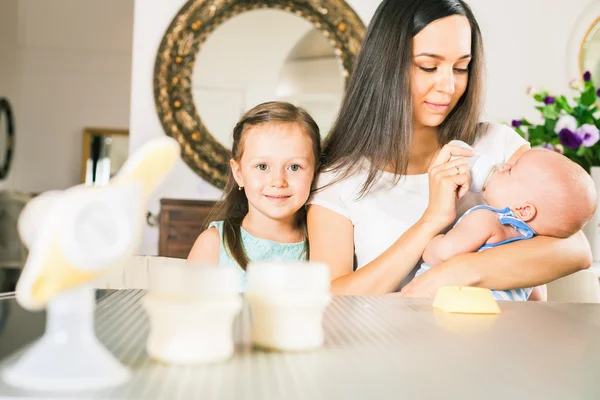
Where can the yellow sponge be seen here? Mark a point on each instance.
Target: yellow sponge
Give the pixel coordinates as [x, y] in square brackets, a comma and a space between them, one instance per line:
[467, 300]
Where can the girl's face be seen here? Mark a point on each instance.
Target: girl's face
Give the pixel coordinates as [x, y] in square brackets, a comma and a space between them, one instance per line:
[439, 76]
[276, 169]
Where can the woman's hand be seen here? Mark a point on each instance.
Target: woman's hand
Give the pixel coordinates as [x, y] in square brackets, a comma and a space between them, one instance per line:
[449, 180]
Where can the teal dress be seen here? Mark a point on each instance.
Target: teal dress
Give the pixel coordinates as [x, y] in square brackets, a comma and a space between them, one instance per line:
[258, 249]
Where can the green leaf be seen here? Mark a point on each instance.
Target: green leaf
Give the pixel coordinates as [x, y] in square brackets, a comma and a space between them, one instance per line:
[564, 104]
[525, 122]
[550, 111]
[588, 97]
[579, 111]
[549, 125]
[589, 85]
[580, 151]
[539, 97]
[538, 131]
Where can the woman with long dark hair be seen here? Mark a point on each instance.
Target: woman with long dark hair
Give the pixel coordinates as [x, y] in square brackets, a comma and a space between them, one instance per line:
[389, 181]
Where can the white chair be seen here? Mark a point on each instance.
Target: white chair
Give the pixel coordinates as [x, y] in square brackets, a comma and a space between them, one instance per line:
[580, 287]
[135, 275]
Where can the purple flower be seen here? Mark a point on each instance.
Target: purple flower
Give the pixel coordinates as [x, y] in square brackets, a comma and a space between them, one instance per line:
[598, 92]
[587, 76]
[589, 135]
[549, 100]
[569, 139]
[516, 123]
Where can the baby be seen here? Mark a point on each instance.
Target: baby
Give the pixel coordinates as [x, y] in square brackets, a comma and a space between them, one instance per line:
[543, 193]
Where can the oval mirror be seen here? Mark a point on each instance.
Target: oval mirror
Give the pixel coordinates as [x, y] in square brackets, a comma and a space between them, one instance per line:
[590, 52]
[219, 59]
[7, 132]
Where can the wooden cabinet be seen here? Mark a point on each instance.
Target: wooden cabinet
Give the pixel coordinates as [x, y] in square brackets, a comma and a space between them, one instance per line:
[180, 223]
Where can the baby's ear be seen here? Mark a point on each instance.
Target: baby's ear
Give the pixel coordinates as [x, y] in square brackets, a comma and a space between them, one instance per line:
[525, 212]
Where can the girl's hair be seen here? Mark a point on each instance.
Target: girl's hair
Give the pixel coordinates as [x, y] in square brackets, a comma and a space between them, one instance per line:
[376, 117]
[234, 206]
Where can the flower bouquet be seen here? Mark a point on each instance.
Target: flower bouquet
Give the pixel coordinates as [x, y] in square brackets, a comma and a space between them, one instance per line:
[571, 127]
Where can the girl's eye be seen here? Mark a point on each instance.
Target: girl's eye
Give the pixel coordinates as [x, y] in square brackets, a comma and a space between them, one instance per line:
[262, 167]
[295, 167]
[428, 69]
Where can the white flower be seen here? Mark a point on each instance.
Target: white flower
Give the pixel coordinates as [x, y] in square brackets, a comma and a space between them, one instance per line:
[575, 84]
[566, 121]
[530, 91]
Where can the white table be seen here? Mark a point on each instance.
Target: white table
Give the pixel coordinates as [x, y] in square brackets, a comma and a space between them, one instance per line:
[376, 348]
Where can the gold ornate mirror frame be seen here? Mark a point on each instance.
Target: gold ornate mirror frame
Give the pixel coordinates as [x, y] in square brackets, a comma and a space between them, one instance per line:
[181, 43]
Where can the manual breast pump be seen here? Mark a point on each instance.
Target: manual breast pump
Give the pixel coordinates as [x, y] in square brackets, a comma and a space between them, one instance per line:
[481, 166]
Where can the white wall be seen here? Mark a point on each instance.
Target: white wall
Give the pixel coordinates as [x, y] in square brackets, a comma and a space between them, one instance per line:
[236, 70]
[317, 85]
[73, 61]
[527, 43]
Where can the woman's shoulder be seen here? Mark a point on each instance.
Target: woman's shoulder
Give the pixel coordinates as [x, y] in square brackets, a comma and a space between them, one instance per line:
[336, 184]
[498, 140]
[334, 189]
[342, 177]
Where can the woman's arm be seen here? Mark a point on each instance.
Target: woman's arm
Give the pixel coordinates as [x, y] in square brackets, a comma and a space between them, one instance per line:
[331, 239]
[525, 263]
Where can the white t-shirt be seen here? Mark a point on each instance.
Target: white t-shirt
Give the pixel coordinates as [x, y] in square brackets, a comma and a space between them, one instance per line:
[386, 212]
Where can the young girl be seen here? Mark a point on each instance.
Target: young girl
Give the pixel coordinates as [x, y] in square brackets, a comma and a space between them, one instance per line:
[276, 149]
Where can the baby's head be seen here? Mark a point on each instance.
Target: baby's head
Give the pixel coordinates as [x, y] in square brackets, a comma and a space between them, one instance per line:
[275, 154]
[554, 195]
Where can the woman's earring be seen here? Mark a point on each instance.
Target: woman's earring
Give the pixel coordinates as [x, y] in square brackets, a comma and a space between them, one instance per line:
[240, 188]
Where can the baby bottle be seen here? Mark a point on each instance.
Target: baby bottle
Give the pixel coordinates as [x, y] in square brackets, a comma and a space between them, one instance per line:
[191, 311]
[287, 301]
[481, 165]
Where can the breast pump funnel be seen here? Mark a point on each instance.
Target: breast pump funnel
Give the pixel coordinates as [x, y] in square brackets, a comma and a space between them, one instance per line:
[76, 236]
[481, 165]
